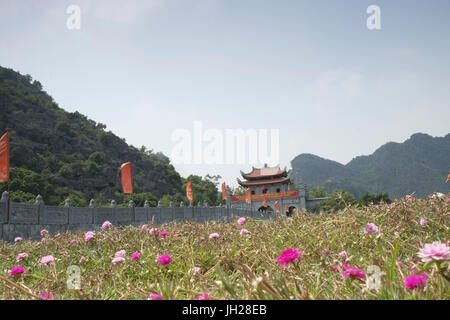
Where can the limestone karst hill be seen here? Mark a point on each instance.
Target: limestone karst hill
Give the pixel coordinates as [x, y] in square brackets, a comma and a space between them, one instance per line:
[58, 153]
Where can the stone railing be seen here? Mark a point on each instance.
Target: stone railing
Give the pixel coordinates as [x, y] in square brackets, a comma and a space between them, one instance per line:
[27, 220]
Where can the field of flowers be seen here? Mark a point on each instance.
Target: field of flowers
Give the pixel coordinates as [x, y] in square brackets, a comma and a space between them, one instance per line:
[397, 251]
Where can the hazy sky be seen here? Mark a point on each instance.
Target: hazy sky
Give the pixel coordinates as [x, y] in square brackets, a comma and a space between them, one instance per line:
[311, 69]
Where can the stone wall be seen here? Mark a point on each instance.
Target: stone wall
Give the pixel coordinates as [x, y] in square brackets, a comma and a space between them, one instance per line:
[27, 220]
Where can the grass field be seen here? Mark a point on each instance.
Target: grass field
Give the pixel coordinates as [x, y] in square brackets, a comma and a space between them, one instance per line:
[245, 266]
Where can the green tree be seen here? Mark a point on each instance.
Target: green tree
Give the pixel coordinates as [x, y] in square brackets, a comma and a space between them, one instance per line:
[317, 192]
[337, 200]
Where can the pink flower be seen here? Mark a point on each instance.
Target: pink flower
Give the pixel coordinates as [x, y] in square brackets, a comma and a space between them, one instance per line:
[18, 239]
[352, 272]
[164, 260]
[21, 256]
[73, 241]
[343, 254]
[144, 227]
[154, 296]
[46, 260]
[205, 296]
[213, 235]
[409, 198]
[370, 228]
[163, 233]
[152, 230]
[423, 221]
[434, 251]
[44, 232]
[244, 232]
[47, 296]
[136, 256]
[82, 259]
[413, 281]
[16, 270]
[195, 270]
[120, 254]
[88, 235]
[325, 250]
[241, 221]
[106, 224]
[396, 234]
[289, 255]
[117, 260]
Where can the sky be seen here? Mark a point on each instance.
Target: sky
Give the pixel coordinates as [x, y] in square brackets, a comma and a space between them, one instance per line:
[312, 70]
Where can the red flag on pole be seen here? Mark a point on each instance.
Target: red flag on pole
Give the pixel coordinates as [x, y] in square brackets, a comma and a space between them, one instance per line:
[4, 157]
[262, 188]
[287, 208]
[224, 191]
[248, 196]
[277, 206]
[127, 178]
[189, 192]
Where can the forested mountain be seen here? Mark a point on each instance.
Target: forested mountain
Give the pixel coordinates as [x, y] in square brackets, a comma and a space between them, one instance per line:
[420, 164]
[58, 154]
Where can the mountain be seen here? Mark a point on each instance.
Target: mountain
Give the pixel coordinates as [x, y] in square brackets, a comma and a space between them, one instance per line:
[59, 153]
[420, 164]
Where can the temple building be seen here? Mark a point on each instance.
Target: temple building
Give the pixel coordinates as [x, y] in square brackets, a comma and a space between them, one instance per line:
[272, 184]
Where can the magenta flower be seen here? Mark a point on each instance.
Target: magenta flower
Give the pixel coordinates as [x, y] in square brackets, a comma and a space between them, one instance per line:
[88, 235]
[44, 232]
[370, 228]
[73, 241]
[413, 281]
[154, 296]
[195, 270]
[434, 251]
[152, 230]
[409, 198]
[82, 259]
[47, 296]
[163, 233]
[423, 221]
[144, 227]
[136, 256]
[21, 256]
[106, 225]
[117, 260]
[241, 221]
[213, 235]
[343, 254]
[352, 272]
[120, 254]
[325, 250]
[205, 296]
[164, 260]
[18, 239]
[244, 232]
[46, 260]
[16, 270]
[289, 255]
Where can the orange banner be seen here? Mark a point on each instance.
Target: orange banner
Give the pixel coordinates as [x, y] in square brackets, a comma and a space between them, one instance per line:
[248, 196]
[264, 202]
[4, 157]
[267, 196]
[277, 206]
[127, 178]
[189, 192]
[287, 208]
[224, 191]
